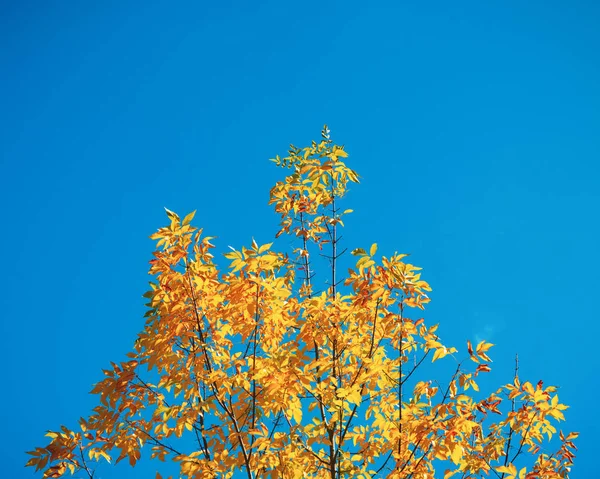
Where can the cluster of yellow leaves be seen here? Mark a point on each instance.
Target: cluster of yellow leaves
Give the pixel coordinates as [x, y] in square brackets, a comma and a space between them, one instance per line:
[270, 379]
[319, 178]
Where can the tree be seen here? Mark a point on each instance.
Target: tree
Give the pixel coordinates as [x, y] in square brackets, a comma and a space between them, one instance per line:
[255, 373]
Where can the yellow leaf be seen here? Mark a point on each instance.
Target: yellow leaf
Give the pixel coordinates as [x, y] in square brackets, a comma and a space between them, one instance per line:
[457, 453]
[439, 353]
[172, 216]
[264, 248]
[187, 220]
[510, 469]
[481, 350]
[338, 151]
[373, 249]
[483, 347]
[354, 397]
[517, 383]
[556, 414]
[104, 455]
[297, 414]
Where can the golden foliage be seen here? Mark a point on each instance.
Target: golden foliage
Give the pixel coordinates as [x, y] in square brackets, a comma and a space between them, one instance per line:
[272, 379]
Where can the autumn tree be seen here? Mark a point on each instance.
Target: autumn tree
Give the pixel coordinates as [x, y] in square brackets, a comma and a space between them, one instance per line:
[281, 367]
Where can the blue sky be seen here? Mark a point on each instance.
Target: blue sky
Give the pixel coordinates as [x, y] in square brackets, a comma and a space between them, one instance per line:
[474, 127]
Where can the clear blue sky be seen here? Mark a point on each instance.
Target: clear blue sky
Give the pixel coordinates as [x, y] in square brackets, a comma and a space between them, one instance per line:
[474, 125]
